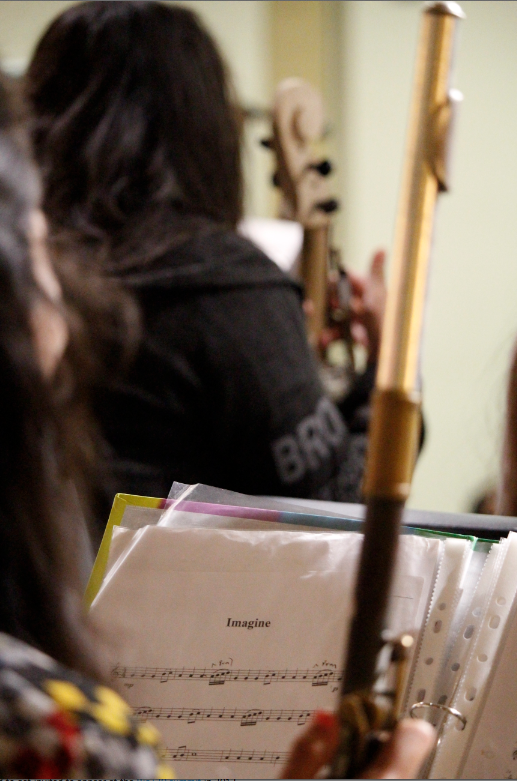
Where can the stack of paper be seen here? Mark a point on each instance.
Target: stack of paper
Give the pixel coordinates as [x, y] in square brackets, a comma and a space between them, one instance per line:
[229, 627]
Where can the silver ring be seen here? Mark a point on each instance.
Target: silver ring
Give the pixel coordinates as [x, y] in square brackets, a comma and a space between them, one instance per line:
[438, 706]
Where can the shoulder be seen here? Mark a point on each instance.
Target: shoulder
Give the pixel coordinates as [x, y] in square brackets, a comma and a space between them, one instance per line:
[220, 245]
[54, 723]
[212, 259]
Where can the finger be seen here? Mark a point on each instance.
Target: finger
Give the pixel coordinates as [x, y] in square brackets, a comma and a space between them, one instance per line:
[329, 335]
[359, 334]
[405, 752]
[356, 308]
[314, 749]
[357, 283]
[308, 307]
[377, 264]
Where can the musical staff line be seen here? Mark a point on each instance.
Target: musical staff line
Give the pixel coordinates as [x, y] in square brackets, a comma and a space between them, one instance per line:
[220, 676]
[184, 754]
[246, 717]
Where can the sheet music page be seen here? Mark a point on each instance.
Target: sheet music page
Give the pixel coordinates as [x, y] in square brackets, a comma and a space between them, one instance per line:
[493, 748]
[453, 566]
[483, 746]
[229, 640]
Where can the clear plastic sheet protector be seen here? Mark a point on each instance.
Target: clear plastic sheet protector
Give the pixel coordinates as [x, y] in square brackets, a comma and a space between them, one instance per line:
[228, 640]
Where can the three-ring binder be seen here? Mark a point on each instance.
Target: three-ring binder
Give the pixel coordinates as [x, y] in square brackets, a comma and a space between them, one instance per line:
[438, 706]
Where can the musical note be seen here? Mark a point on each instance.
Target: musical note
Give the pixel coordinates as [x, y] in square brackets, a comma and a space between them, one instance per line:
[319, 677]
[322, 677]
[246, 717]
[184, 754]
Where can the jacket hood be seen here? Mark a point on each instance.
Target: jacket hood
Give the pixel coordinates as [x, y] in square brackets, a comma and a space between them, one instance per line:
[215, 259]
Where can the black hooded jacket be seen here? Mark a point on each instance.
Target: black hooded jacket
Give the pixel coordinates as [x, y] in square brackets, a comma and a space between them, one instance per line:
[225, 390]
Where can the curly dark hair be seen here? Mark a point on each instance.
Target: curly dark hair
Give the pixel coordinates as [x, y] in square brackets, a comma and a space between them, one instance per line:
[135, 129]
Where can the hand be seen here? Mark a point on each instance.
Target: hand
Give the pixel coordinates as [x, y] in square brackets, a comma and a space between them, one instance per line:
[401, 757]
[314, 748]
[367, 305]
[404, 753]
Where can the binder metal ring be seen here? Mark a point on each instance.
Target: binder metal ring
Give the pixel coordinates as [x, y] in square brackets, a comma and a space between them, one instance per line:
[438, 706]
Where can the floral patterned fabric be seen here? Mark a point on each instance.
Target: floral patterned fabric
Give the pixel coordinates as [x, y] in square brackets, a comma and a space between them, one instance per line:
[54, 723]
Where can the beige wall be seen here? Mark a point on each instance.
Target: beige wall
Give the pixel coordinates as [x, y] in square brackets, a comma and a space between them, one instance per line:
[242, 30]
[366, 78]
[21, 24]
[472, 308]
[306, 42]
[297, 40]
[361, 54]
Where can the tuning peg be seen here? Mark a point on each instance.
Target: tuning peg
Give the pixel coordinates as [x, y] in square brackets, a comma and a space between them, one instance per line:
[267, 143]
[275, 180]
[324, 168]
[328, 206]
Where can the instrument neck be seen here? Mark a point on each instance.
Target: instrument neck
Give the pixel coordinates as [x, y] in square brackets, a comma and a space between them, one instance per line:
[314, 273]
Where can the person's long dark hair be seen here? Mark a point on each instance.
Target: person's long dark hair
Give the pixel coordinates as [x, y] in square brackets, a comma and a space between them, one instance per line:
[506, 503]
[48, 444]
[135, 128]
